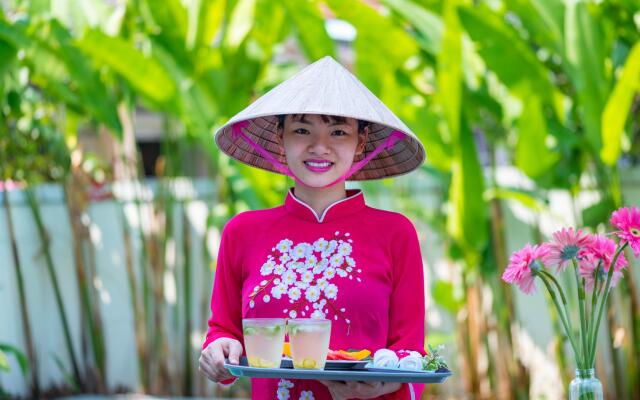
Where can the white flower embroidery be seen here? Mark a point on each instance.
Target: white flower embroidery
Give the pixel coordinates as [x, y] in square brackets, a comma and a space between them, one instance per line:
[267, 268]
[306, 395]
[312, 293]
[294, 293]
[331, 292]
[302, 285]
[285, 383]
[320, 245]
[289, 277]
[299, 251]
[283, 393]
[336, 260]
[322, 265]
[283, 389]
[307, 276]
[303, 273]
[329, 273]
[322, 283]
[284, 246]
[311, 262]
[344, 249]
[278, 291]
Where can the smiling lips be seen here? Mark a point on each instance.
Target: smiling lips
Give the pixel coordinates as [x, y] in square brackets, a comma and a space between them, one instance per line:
[318, 165]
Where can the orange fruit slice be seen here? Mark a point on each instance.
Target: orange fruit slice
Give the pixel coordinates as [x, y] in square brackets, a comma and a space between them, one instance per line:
[286, 349]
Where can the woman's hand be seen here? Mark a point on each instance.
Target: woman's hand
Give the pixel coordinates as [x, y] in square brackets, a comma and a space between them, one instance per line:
[212, 358]
[359, 390]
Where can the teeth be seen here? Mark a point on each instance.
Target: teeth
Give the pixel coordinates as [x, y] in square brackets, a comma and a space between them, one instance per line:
[318, 165]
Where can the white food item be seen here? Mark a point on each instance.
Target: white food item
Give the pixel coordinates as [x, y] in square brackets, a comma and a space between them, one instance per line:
[385, 358]
[411, 362]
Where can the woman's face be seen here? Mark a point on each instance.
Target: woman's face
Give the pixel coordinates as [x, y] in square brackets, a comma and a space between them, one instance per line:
[320, 149]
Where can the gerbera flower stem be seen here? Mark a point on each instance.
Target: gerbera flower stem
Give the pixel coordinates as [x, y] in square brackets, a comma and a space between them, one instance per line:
[597, 285]
[583, 321]
[563, 318]
[562, 296]
[592, 350]
[555, 282]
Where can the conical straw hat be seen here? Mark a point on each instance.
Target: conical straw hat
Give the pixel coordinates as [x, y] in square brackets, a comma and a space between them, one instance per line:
[324, 87]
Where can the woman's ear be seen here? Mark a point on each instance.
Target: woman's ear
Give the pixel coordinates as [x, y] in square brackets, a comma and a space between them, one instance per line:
[362, 140]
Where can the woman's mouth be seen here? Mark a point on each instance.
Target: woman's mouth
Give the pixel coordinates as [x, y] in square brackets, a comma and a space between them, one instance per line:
[318, 165]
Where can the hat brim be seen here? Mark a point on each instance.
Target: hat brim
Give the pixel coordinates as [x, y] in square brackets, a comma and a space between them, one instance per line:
[403, 158]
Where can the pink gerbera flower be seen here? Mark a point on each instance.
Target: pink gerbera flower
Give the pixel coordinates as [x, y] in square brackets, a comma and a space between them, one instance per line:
[565, 246]
[522, 266]
[627, 220]
[595, 260]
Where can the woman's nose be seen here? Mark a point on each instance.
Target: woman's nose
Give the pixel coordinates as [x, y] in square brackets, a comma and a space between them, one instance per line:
[319, 145]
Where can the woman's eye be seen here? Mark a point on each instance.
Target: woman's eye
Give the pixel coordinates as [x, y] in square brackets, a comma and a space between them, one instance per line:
[339, 132]
[301, 131]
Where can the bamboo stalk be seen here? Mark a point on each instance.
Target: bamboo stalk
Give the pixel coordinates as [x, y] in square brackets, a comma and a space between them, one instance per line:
[33, 205]
[34, 379]
[136, 306]
[508, 371]
[187, 388]
[89, 305]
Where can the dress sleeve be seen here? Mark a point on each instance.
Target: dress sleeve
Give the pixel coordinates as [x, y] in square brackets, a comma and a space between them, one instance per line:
[406, 309]
[226, 296]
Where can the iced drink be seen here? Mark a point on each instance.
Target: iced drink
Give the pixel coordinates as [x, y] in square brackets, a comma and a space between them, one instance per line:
[263, 341]
[309, 340]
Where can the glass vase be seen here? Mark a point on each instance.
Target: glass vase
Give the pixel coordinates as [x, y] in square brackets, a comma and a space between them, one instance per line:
[585, 386]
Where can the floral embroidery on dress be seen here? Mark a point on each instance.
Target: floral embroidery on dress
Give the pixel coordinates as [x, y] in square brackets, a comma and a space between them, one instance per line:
[306, 395]
[283, 389]
[303, 272]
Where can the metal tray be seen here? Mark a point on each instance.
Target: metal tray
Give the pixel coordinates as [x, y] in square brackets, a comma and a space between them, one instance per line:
[330, 364]
[363, 375]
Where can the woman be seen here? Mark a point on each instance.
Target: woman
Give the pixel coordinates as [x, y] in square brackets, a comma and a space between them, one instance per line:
[324, 253]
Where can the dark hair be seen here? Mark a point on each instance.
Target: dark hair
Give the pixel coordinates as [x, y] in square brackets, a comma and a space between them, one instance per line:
[325, 118]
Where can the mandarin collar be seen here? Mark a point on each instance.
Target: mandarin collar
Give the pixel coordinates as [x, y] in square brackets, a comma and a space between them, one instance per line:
[351, 204]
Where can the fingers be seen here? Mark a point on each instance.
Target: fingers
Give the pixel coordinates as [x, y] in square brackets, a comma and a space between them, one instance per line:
[353, 389]
[212, 360]
[235, 351]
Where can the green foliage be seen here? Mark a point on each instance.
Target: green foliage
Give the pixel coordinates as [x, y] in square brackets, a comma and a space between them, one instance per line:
[508, 56]
[618, 106]
[427, 24]
[309, 26]
[533, 155]
[144, 73]
[20, 357]
[446, 296]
